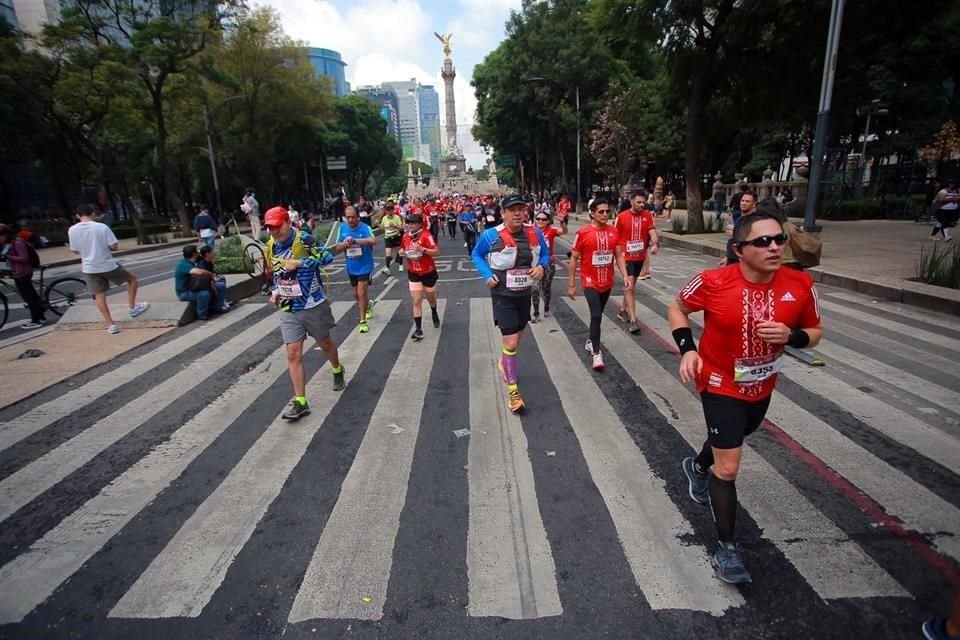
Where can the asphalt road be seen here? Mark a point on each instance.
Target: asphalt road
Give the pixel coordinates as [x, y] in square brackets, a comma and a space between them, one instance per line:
[159, 495]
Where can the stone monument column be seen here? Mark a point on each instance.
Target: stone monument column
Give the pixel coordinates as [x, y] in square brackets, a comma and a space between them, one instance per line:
[449, 73]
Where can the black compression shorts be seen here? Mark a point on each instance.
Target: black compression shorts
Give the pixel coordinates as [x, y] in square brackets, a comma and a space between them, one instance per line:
[730, 420]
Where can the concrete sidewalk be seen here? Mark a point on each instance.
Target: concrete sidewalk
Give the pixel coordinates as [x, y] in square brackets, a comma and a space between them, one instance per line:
[62, 256]
[874, 257]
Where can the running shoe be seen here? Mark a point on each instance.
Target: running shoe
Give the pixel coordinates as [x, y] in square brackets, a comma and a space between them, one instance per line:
[589, 346]
[417, 335]
[729, 564]
[339, 382]
[936, 629]
[598, 361]
[622, 315]
[514, 401]
[31, 325]
[546, 313]
[401, 267]
[635, 329]
[646, 277]
[370, 310]
[364, 327]
[139, 308]
[296, 411]
[113, 329]
[385, 271]
[535, 319]
[697, 483]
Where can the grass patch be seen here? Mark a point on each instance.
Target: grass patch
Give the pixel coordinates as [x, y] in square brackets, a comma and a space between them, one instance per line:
[940, 266]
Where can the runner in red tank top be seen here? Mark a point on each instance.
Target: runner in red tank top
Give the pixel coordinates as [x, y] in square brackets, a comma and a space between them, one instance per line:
[596, 247]
[638, 234]
[751, 310]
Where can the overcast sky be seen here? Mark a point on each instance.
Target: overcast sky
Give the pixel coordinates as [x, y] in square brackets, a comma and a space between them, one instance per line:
[384, 40]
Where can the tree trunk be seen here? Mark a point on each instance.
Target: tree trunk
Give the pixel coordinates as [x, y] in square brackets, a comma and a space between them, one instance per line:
[696, 123]
[132, 211]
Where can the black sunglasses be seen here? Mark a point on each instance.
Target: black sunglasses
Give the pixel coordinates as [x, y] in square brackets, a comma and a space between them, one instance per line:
[543, 219]
[765, 241]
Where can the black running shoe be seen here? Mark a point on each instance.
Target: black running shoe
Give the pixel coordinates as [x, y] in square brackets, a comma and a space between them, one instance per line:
[417, 335]
[338, 381]
[296, 411]
[436, 322]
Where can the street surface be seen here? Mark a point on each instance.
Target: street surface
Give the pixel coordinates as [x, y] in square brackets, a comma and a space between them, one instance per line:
[160, 495]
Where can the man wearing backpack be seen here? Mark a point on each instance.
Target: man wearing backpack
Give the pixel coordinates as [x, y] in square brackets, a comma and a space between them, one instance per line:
[23, 259]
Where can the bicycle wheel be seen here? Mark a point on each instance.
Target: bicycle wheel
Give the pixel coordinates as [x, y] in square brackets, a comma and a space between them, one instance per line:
[63, 293]
[4, 311]
[254, 260]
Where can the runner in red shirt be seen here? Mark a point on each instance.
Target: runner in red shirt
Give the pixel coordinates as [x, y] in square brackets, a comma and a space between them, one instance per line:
[550, 233]
[638, 234]
[751, 310]
[599, 247]
[419, 247]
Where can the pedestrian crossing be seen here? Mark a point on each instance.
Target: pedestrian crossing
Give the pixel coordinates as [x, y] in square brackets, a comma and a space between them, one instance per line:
[514, 556]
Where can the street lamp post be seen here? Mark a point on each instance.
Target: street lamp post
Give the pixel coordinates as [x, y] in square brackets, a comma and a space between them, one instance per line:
[577, 90]
[872, 109]
[213, 163]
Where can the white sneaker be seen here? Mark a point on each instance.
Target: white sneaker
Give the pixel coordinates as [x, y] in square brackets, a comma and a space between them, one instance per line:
[113, 329]
[385, 271]
[139, 308]
[31, 325]
[588, 346]
[598, 362]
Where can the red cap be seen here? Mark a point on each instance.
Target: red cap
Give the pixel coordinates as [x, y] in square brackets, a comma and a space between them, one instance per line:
[275, 217]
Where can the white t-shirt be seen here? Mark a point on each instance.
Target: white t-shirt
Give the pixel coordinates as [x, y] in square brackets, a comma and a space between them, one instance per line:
[948, 205]
[92, 240]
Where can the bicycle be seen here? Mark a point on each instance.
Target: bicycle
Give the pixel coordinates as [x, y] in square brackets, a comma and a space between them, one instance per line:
[58, 296]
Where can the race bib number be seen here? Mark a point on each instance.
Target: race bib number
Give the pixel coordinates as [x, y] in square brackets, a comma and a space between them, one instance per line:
[413, 255]
[518, 279]
[289, 289]
[391, 232]
[747, 370]
[602, 258]
[354, 252]
[635, 247]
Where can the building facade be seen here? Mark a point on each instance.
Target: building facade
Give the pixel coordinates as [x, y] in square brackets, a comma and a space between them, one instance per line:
[31, 15]
[430, 122]
[329, 63]
[8, 13]
[409, 113]
[389, 107]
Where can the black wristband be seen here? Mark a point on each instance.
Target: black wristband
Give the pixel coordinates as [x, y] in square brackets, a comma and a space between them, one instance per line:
[684, 339]
[798, 339]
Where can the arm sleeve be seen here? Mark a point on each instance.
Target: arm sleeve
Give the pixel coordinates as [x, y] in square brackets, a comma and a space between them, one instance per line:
[694, 295]
[479, 255]
[544, 260]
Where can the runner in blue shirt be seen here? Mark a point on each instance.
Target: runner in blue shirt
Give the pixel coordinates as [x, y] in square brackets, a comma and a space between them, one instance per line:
[468, 224]
[357, 241]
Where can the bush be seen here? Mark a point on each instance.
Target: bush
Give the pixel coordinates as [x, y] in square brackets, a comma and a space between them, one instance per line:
[890, 208]
[230, 256]
[127, 230]
[941, 268]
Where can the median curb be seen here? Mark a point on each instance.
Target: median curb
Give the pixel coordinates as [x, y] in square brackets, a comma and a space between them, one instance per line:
[125, 252]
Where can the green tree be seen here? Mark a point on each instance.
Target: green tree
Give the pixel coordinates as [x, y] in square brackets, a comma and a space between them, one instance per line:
[359, 134]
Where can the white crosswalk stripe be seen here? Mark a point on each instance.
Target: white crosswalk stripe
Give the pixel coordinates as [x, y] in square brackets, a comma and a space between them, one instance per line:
[511, 553]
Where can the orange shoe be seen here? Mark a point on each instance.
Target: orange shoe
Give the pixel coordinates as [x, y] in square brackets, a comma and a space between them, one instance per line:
[515, 402]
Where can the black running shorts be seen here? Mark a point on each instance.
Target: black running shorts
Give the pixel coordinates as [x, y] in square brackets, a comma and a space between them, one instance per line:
[730, 420]
[511, 313]
[634, 268]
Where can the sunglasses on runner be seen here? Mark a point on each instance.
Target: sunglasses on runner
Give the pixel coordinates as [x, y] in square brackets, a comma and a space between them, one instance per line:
[543, 219]
[765, 241]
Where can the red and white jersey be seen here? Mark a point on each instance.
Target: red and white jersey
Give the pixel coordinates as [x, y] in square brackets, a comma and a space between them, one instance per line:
[634, 231]
[597, 258]
[736, 362]
[550, 234]
[417, 261]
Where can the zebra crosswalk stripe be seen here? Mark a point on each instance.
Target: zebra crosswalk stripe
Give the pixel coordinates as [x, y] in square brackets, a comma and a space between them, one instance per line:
[184, 576]
[865, 319]
[30, 578]
[348, 574]
[819, 550]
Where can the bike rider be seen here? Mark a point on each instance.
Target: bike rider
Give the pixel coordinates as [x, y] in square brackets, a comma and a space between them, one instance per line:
[638, 234]
[511, 257]
[295, 259]
[420, 247]
[751, 311]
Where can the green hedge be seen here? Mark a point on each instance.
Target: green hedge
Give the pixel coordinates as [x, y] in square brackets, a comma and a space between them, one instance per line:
[891, 208]
[127, 230]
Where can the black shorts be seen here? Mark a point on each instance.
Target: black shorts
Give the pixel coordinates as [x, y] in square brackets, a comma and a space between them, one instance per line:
[428, 280]
[634, 268]
[393, 243]
[364, 277]
[511, 313]
[730, 420]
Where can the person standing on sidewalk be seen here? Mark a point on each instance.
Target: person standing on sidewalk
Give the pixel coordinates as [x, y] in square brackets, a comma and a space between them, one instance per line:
[23, 258]
[295, 259]
[94, 241]
[356, 239]
[599, 248]
[638, 236]
[949, 200]
[511, 257]
[251, 207]
[752, 310]
[205, 226]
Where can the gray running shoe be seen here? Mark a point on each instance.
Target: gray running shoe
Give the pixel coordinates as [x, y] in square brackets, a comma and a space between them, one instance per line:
[296, 411]
[635, 329]
[338, 380]
[698, 486]
[729, 564]
[417, 335]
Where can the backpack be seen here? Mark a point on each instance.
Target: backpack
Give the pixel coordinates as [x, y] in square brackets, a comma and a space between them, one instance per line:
[805, 248]
[32, 254]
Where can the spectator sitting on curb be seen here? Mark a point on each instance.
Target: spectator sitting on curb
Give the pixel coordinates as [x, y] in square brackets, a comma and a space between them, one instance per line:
[22, 258]
[207, 256]
[193, 284]
[206, 226]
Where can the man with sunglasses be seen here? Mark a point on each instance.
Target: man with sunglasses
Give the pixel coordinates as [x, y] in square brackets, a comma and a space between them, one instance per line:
[638, 235]
[511, 257]
[752, 310]
[597, 248]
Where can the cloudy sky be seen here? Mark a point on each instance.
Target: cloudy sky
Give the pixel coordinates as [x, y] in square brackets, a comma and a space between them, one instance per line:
[384, 40]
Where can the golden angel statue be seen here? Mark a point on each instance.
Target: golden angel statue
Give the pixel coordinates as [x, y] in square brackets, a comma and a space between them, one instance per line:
[446, 42]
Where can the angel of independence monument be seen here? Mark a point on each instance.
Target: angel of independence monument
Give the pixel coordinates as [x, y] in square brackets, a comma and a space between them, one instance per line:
[452, 162]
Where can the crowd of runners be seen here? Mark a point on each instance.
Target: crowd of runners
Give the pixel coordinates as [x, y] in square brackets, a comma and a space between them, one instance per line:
[752, 307]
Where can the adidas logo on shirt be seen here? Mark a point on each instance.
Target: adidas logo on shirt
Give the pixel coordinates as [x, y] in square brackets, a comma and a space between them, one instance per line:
[788, 297]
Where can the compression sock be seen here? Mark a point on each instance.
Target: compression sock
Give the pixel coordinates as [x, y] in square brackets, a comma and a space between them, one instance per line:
[418, 321]
[509, 363]
[723, 501]
[389, 260]
[302, 400]
[433, 310]
[338, 369]
[704, 459]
